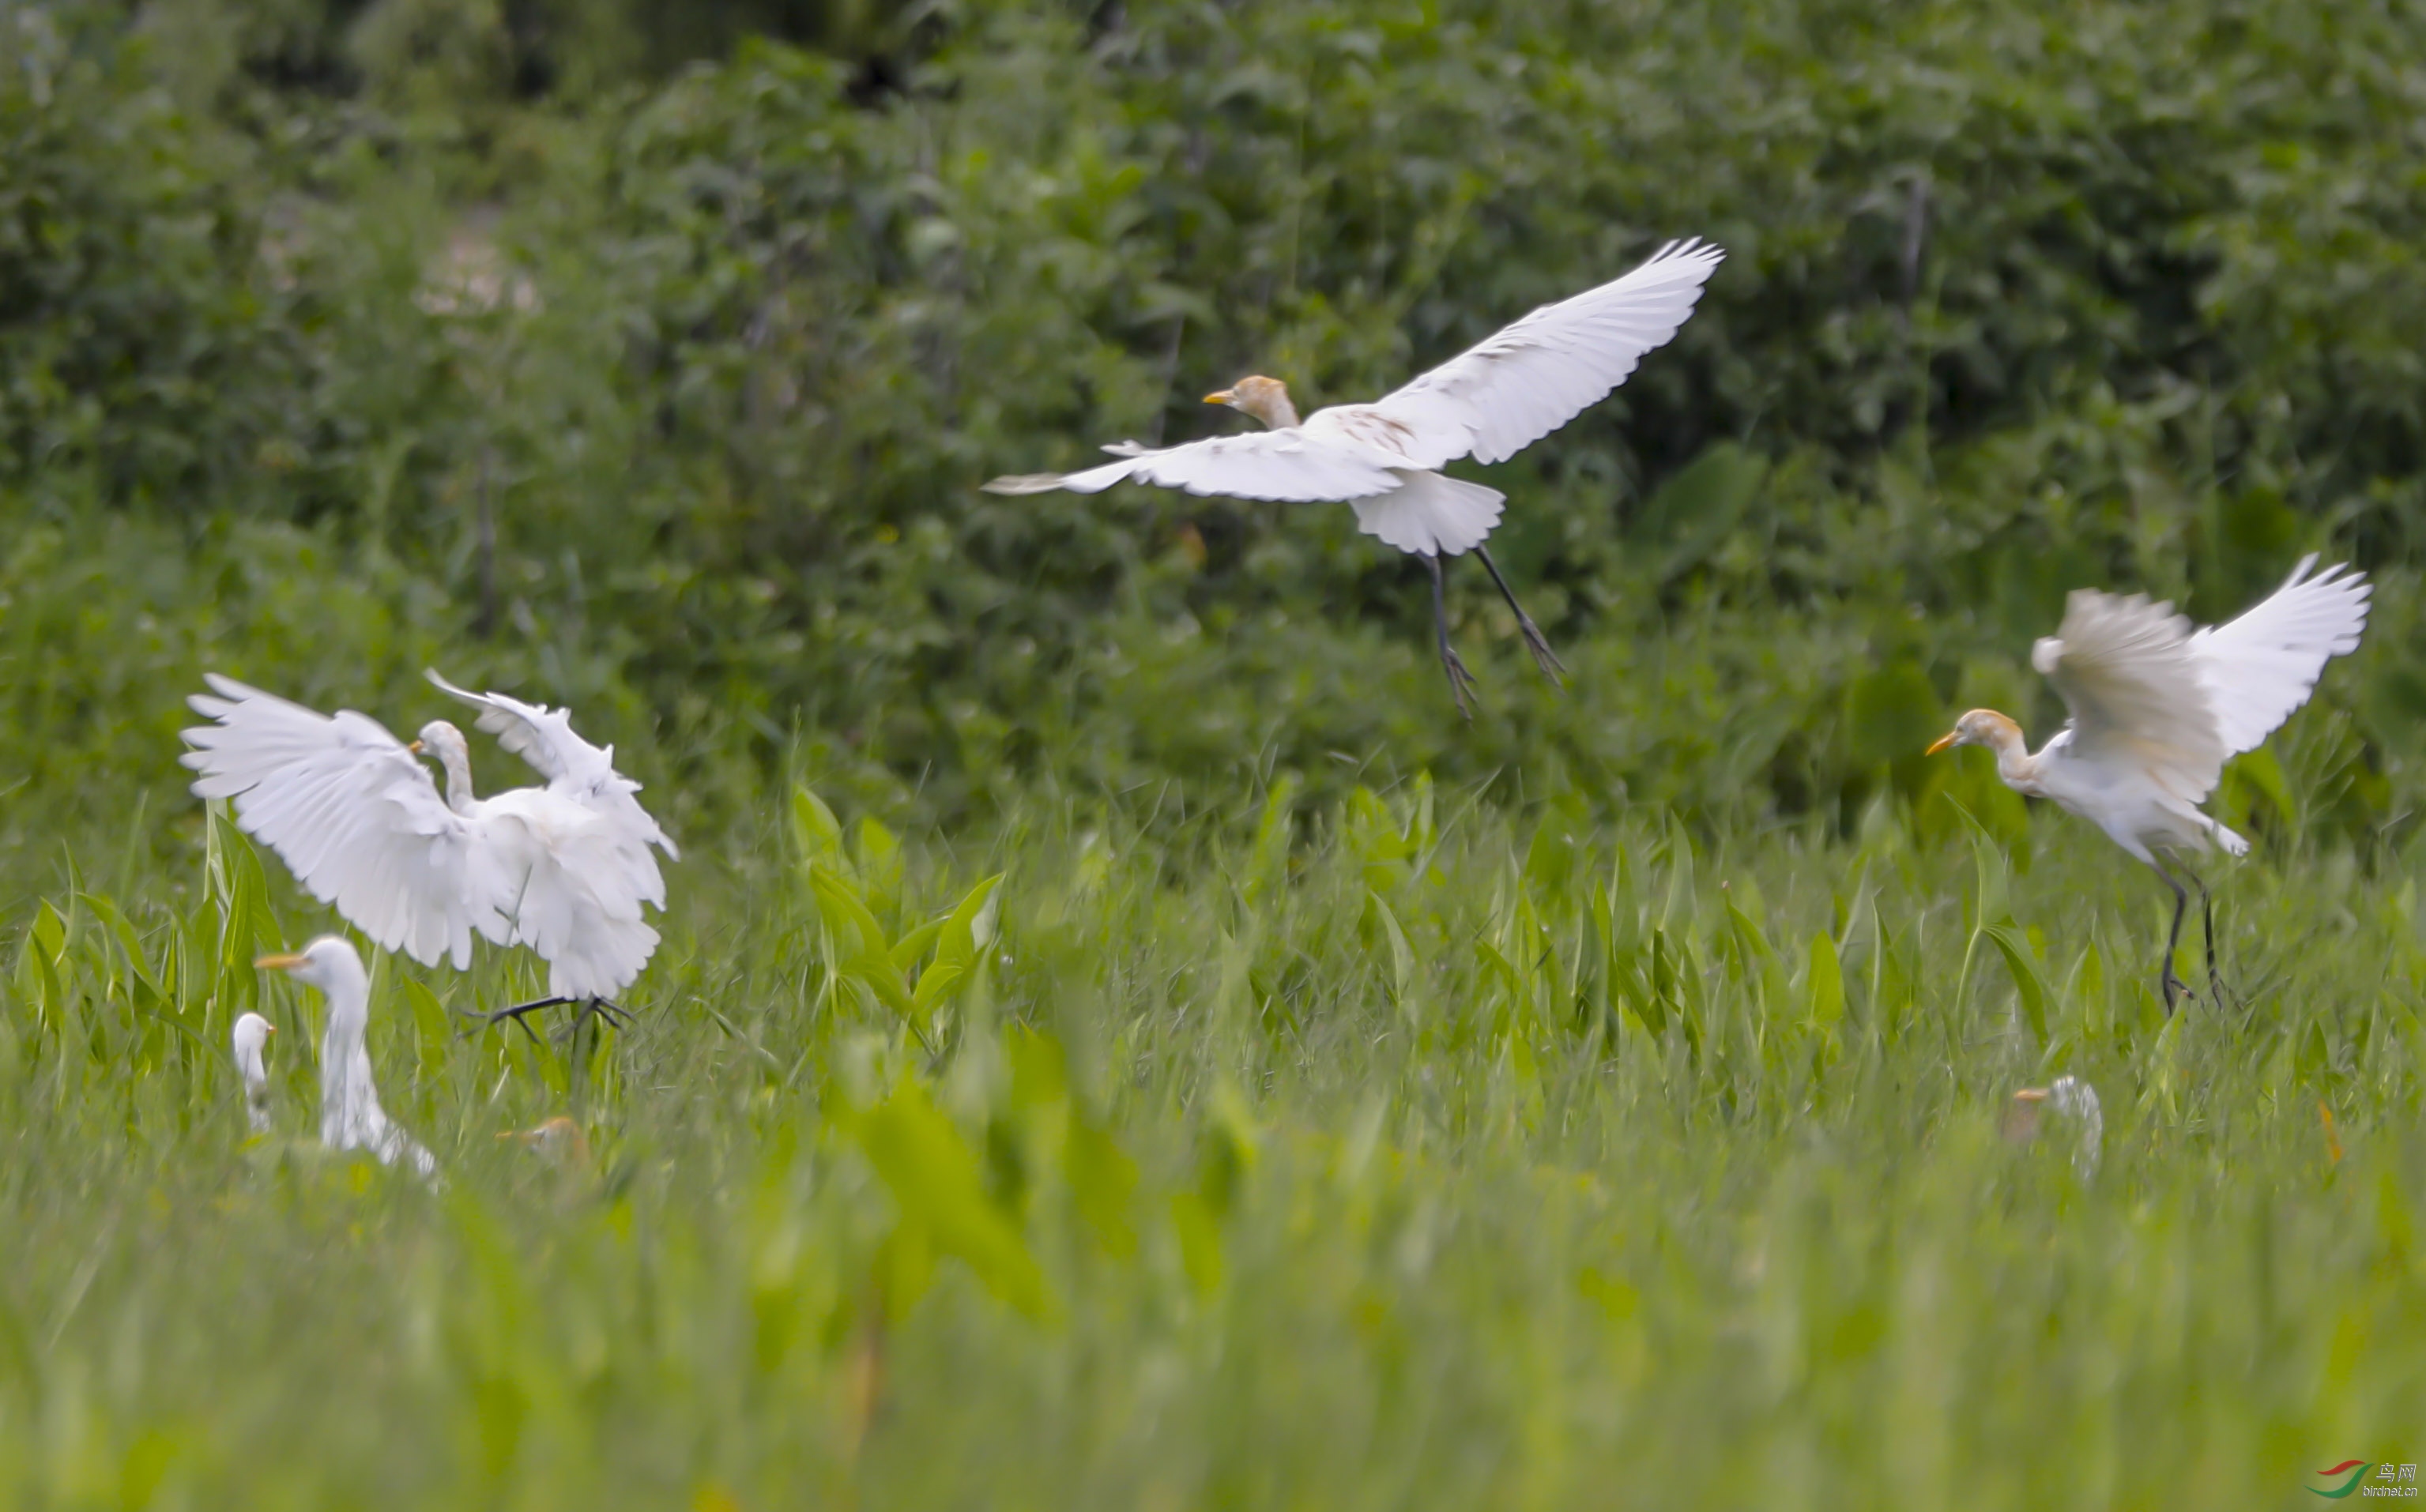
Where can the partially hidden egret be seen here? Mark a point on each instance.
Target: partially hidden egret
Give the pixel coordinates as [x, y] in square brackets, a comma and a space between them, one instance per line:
[558, 1140]
[1383, 458]
[350, 1114]
[2074, 1101]
[564, 869]
[252, 1032]
[2156, 708]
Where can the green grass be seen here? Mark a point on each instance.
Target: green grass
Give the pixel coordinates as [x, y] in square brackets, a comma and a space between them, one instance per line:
[1405, 1151]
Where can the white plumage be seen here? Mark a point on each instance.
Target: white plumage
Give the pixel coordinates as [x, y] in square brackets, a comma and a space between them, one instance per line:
[2159, 707]
[565, 869]
[1488, 403]
[350, 1114]
[251, 1033]
[2075, 1102]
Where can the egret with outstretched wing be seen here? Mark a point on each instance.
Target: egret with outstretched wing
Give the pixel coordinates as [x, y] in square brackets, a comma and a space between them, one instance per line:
[2157, 708]
[564, 869]
[1384, 459]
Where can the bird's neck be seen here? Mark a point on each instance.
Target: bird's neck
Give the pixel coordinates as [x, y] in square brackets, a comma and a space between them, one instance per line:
[346, 1087]
[1275, 410]
[458, 780]
[2015, 764]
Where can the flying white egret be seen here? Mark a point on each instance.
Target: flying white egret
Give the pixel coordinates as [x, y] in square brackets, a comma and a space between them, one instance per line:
[2074, 1101]
[350, 1114]
[2157, 707]
[1383, 458]
[252, 1031]
[563, 869]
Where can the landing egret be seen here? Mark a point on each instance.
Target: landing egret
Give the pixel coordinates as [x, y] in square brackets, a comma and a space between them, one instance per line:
[1383, 458]
[350, 1114]
[2158, 706]
[2075, 1102]
[252, 1031]
[563, 869]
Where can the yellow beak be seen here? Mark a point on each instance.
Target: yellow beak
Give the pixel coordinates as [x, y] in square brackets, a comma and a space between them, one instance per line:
[279, 963]
[414, 747]
[1224, 396]
[1942, 741]
[2031, 1094]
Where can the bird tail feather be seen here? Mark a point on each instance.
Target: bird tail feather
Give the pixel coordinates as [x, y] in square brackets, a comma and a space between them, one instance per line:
[1431, 515]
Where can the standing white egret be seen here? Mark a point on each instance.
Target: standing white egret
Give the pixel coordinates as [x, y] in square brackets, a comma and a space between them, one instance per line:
[1383, 458]
[350, 1114]
[564, 869]
[2075, 1102]
[252, 1031]
[2157, 707]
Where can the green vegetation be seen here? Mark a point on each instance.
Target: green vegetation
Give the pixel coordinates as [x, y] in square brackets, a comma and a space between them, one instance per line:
[1330, 1105]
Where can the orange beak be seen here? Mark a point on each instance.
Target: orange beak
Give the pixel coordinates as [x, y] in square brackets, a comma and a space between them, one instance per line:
[1942, 741]
[279, 963]
[1224, 396]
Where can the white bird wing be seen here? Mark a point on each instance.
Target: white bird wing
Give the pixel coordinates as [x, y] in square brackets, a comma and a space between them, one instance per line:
[2124, 669]
[354, 816]
[1538, 374]
[2261, 667]
[1289, 466]
[579, 858]
[573, 767]
[580, 881]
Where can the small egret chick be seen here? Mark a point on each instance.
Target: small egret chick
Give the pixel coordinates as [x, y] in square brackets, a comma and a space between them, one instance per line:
[1383, 458]
[350, 1114]
[2074, 1101]
[251, 1033]
[2158, 707]
[558, 1140]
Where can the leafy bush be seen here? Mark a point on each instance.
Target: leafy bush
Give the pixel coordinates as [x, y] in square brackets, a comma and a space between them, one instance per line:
[2072, 294]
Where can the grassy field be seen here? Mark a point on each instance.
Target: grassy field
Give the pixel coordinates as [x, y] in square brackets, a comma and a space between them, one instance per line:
[1408, 1151]
[1119, 1040]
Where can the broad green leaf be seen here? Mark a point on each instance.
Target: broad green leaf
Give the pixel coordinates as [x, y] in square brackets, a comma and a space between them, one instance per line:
[912, 948]
[814, 828]
[1199, 1232]
[1102, 1184]
[2027, 980]
[936, 1181]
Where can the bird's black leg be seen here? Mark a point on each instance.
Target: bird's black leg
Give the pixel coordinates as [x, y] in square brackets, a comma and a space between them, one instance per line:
[2206, 914]
[614, 1013]
[1460, 680]
[517, 1013]
[1544, 657]
[2167, 982]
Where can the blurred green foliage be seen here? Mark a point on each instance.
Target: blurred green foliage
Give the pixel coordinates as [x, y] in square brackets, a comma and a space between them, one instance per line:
[677, 380]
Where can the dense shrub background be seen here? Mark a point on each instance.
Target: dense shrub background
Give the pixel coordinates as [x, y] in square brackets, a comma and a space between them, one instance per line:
[335, 339]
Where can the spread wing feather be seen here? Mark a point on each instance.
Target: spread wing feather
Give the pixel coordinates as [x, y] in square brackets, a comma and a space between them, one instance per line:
[573, 767]
[1289, 466]
[1533, 376]
[2261, 667]
[2124, 669]
[354, 816]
